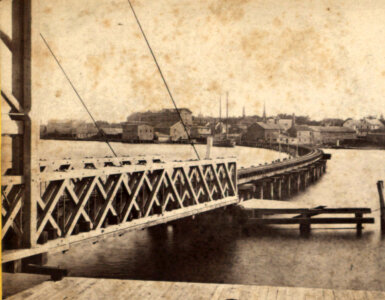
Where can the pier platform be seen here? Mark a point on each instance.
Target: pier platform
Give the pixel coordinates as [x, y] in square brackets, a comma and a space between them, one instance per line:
[91, 288]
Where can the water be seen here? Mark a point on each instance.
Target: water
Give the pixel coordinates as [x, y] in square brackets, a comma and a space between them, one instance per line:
[50, 149]
[207, 251]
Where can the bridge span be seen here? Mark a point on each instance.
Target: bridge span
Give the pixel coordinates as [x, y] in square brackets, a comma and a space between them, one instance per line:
[282, 179]
[85, 199]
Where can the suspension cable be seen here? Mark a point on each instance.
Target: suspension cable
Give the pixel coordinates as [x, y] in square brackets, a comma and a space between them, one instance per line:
[80, 99]
[163, 78]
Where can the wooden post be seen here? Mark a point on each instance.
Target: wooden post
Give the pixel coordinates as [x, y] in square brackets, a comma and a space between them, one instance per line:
[289, 185]
[272, 189]
[304, 227]
[299, 182]
[279, 188]
[380, 187]
[305, 181]
[24, 35]
[261, 197]
[359, 225]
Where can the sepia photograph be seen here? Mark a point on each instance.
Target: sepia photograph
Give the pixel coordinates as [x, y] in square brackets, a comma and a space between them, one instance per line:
[192, 149]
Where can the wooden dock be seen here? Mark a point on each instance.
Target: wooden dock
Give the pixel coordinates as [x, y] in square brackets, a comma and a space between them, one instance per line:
[253, 212]
[91, 288]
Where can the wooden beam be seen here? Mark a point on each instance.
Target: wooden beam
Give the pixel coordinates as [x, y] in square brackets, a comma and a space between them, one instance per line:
[312, 220]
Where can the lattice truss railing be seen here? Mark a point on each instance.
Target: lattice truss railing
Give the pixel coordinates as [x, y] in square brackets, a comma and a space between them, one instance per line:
[84, 200]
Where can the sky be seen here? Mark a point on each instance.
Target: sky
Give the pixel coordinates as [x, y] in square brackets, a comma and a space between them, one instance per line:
[315, 58]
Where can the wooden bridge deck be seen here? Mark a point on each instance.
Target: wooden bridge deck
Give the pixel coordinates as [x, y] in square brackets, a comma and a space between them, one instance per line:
[91, 288]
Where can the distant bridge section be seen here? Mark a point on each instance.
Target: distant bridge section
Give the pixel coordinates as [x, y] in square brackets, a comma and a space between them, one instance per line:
[281, 179]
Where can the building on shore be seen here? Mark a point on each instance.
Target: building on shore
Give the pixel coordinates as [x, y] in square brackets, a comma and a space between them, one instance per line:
[284, 124]
[164, 115]
[332, 135]
[364, 126]
[370, 125]
[261, 132]
[200, 132]
[303, 134]
[287, 139]
[175, 130]
[86, 130]
[114, 133]
[137, 132]
[377, 137]
[356, 125]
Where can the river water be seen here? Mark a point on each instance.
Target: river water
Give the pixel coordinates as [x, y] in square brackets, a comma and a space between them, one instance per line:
[214, 249]
[50, 149]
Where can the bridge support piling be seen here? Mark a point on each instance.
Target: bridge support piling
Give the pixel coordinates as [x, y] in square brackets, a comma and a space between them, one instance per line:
[298, 182]
[305, 177]
[288, 186]
[279, 188]
[272, 189]
[261, 190]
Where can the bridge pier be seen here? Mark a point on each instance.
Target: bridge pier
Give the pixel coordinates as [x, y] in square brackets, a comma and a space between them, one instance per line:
[298, 182]
[261, 190]
[288, 186]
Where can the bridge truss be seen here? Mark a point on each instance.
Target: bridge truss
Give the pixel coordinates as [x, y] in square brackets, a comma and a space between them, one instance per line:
[79, 204]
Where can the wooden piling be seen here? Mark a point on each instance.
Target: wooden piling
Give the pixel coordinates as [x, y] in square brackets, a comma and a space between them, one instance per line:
[380, 187]
[298, 182]
[288, 185]
[359, 224]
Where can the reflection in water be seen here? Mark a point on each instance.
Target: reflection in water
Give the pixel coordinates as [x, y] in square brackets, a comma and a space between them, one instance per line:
[212, 248]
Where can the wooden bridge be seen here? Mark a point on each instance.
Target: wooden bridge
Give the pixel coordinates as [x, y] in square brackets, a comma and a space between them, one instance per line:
[86, 202]
[282, 179]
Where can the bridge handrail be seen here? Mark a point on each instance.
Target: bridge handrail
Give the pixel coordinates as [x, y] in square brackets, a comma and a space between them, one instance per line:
[313, 155]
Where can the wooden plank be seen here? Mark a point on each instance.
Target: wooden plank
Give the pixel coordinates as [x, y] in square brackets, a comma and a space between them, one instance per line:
[152, 290]
[176, 291]
[198, 291]
[92, 288]
[217, 292]
[11, 179]
[307, 210]
[230, 292]
[312, 220]
[272, 293]
[328, 294]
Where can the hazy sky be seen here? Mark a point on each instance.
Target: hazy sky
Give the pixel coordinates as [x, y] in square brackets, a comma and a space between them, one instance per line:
[316, 58]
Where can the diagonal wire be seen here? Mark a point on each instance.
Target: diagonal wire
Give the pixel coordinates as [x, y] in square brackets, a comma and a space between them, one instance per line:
[80, 98]
[163, 78]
